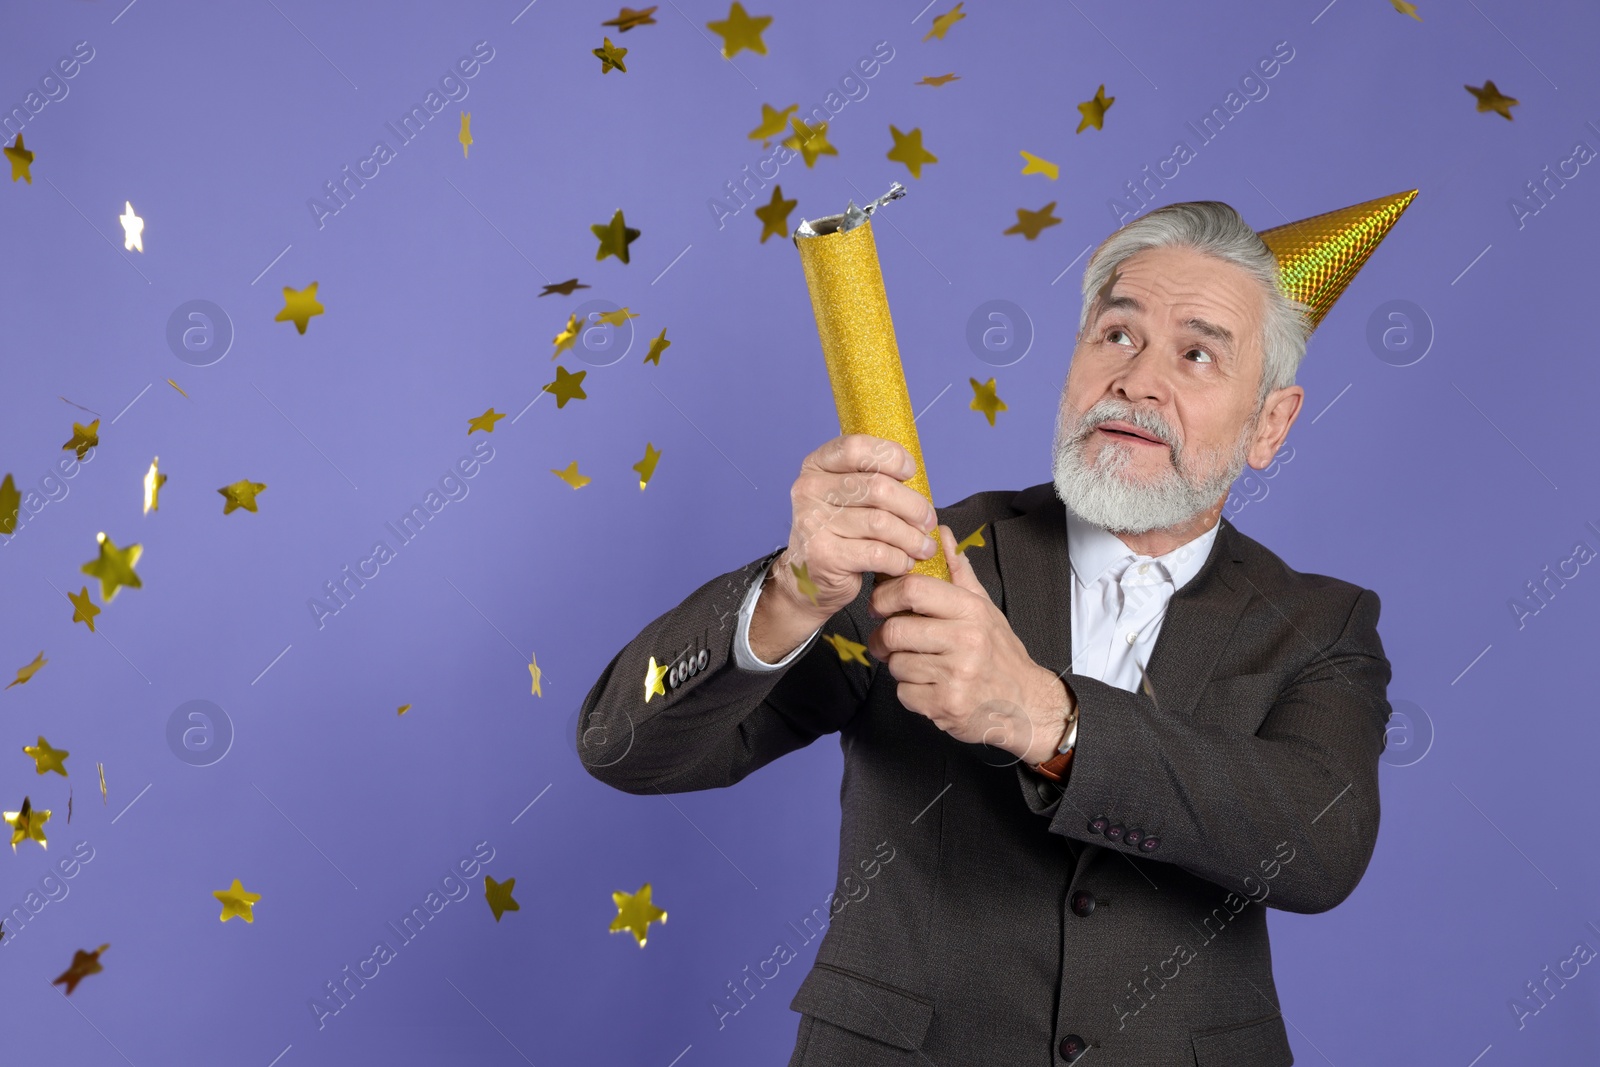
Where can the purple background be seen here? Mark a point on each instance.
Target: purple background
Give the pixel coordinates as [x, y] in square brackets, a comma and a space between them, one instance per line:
[1445, 485]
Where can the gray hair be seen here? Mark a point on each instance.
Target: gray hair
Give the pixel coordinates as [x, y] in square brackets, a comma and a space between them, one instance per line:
[1215, 229]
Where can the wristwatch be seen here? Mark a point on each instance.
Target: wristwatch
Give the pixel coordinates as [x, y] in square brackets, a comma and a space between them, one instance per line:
[1055, 768]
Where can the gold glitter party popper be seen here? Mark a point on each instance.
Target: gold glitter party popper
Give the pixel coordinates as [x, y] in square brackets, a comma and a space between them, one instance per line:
[840, 261]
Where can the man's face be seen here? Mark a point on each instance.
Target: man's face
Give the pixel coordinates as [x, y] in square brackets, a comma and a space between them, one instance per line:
[1160, 411]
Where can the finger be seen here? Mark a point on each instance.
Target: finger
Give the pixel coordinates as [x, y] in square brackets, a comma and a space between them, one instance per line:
[861, 452]
[960, 566]
[921, 594]
[877, 524]
[911, 633]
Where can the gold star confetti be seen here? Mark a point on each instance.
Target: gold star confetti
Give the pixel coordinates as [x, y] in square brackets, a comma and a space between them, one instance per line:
[972, 540]
[653, 678]
[564, 288]
[21, 159]
[27, 824]
[567, 387]
[498, 894]
[1031, 223]
[849, 651]
[658, 345]
[802, 577]
[568, 335]
[937, 80]
[615, 236]
[153, 481]
[402, 709]
[942, 23]
[1490, 99]
[11, 504]
[536, 674]
[908, 150]
[629, 18]
[241, 494]
[83, 438]
[236, 902]
[132, 229]
[635, 912]
[774, 215]
[1406, 9]
[739, 31]
[1035, 165]
[647, 466]
[465, 136]
[773, 122]
[810, 142]
[610, 56]
[617, 317]
[83, 965]
[178, 387]
[1094, 110]
[298, 306]
[484, 422]
[985, 400]
[114, 567]
[571, 476]
[24, 673]
[46, 758]
[82, 610]
[102, 768]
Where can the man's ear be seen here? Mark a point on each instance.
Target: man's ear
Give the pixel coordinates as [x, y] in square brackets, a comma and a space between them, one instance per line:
[1278, 413]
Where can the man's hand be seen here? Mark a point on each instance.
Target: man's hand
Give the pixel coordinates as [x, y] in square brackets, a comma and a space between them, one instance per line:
[961, 665]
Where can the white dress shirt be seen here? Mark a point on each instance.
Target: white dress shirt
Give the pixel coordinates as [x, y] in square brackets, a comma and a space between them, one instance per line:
[1119, 599]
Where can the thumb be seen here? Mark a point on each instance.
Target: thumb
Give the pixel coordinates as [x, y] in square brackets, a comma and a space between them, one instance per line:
[961, 574]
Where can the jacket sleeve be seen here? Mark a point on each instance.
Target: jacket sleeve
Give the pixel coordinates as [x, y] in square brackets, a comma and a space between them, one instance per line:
[1226, 805]
[718, 722]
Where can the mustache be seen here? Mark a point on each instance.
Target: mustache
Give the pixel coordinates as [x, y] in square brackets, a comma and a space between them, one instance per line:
[1144, 418]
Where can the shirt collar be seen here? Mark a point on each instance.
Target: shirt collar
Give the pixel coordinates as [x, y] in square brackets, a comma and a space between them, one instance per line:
[1092, 551]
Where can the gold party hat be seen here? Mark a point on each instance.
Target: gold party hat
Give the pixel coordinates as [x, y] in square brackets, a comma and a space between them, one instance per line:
[1318, 256]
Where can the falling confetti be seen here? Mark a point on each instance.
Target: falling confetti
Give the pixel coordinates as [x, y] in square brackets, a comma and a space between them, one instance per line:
[21, 160]
[739, 31]
[28, 671]
[985, 400]
[635, 912]
[298, 306]
[809, 142]
[617, 317]
[571, 476]
[236, 902]
[83, 965]
[564, 288]
[83, 438]
[178, 387]
[615, 237]
[1406, 9]
[908, 150]
[773, 122]
[1035, 165]
[774, 215]
[658, 345]
[647, 466]
[153, 481]
[536, 673]
[10, 505]
[465, 136]
[654, 677]
[1031, 223]
[937, 80]
[241, 494]
[849, 651]
[569, 334]
[402, 709]
[802, 577]
[114, 567]
[82, 609]
[498, 894]
[942, 23]
[102, 769]
[1491, 99]
[1094, 110]
[972, 540]
[567, 386]
[610, 56]
[132, 229]
[484, 422]
[629, 18]
[27, 824]
[46, 758]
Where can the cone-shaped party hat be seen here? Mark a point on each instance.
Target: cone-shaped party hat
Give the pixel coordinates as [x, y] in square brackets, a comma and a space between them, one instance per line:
[1318, 256]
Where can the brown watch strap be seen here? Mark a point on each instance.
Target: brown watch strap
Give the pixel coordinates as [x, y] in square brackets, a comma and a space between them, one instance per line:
[1055, 768]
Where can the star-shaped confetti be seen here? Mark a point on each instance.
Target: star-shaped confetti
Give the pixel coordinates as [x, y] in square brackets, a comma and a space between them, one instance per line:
[236, 902]
[83, 965]
[773, 122]
[654, 679]
[82, 609]
[610, 56]
[27, 824]
[241, 494]
[908, 150]
[647, 466]
[972, 540]
[635, 912]
[1103, 294]
[298, 306]
[1491, 99]
[802, 577]
[629, 18]
[46, 758]
[132, 229]
[536, 674]
[774, 215]
[498, 894]
[1406, 9]
[739, 31]
[568, 335]
[985, 400]
[942, 23]
[937, 80]
[465, 136]
[849, 651]
[1094, 110]
[567, 386]
[153, 481]
[114, 567]
[26, 672]
[10, 506]
[570, 475]
[1031, 223]
[809, 141]
[402, 709]
[615, 237]
[484, 422]
[617, 317]
[20, 159]
[564, 288]
[1034, 165]
[658, 345]
[83, 438]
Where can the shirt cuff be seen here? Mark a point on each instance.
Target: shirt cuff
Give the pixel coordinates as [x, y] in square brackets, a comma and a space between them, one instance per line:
[742, 653]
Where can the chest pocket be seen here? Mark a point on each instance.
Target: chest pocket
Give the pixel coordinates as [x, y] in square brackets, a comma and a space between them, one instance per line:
[1239, 702]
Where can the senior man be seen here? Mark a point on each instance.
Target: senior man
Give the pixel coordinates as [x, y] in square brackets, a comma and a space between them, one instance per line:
[1118, 734]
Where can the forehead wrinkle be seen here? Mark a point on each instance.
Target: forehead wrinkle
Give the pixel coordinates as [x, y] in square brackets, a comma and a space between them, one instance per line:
[1128, 302]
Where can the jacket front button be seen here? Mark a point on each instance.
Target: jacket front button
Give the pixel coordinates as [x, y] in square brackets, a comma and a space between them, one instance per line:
[1082, 903]
[1071, 1047]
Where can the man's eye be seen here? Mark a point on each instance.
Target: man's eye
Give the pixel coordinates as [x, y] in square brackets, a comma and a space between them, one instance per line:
[1116, 330]
[1204, 353]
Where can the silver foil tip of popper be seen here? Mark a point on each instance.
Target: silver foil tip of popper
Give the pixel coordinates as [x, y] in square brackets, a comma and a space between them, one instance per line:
[853, 216]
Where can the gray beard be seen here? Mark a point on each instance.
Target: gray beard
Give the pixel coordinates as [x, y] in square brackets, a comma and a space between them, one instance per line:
[1100, 494]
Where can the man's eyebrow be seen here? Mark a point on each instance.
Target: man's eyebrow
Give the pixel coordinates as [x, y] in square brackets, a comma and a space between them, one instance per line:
[1124, 302]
